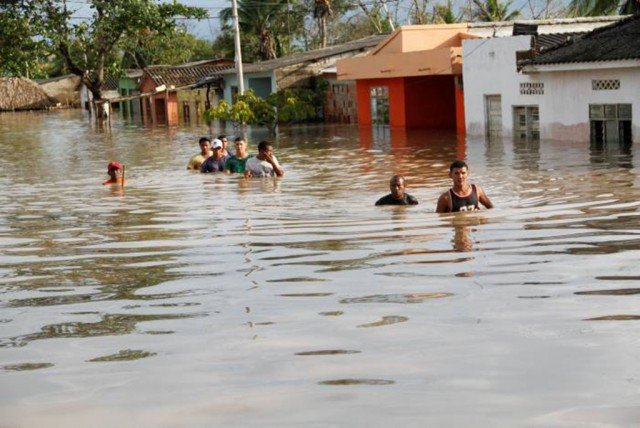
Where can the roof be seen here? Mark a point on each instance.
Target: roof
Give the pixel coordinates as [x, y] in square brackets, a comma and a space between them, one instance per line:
[618, 41]
[312, 56]
[19, 93]
[56, 79]
[545, 26]
[186, 74]
[547, 41]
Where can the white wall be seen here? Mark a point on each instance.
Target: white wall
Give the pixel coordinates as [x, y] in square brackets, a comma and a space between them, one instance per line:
[489, 68]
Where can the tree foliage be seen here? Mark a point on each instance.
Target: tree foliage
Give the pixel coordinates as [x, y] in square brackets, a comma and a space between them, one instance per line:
[286, 106]
[89, 45]
[493, 10]
[602, 7]
[21, 52]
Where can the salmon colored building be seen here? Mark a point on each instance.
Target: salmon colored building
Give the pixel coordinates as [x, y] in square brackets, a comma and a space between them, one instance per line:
[412, 79]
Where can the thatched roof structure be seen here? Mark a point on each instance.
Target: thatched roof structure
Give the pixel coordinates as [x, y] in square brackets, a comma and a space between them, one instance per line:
[18, 93]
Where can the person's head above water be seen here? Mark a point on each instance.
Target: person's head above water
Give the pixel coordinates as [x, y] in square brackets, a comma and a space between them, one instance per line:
[459, 172]
[397, 185]
[241, 147]
[114, 169]
[205, 145]
[265, 149]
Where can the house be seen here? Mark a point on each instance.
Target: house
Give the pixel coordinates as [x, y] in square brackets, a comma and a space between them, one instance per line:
[592, 85]
[513, 87]
[19, 93]
[295, 70]
[412, 79]
[340, 103]
[169, 93]
[65, 89]
[128, 87]
[109, 92]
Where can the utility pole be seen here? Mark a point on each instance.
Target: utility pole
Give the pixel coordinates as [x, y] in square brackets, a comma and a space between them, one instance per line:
[236, 30]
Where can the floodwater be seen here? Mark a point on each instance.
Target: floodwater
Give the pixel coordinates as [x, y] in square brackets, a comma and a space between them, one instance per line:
[209, 300]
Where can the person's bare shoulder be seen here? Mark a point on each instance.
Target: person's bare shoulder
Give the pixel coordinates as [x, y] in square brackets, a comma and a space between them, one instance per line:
[443, 203]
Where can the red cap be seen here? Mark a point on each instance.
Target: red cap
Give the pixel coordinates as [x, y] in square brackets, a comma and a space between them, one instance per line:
[114, 165]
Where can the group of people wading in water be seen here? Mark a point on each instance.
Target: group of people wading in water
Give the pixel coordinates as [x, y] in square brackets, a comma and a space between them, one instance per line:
[214, 158]
[463, 196]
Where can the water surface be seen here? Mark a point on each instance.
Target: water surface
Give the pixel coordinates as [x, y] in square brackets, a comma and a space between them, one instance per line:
[199, 300]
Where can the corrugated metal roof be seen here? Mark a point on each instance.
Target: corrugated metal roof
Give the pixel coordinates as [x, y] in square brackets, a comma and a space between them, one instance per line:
[619, 41]
[313, 55]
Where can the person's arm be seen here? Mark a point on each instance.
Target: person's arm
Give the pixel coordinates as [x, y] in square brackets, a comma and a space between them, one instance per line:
[276, 166]
[443, 203]
[190, 163]
[483, 198]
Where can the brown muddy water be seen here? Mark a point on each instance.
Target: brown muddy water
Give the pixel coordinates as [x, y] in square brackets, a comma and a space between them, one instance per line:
[202, 300]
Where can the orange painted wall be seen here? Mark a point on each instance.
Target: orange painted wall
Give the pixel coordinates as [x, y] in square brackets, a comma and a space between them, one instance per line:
[430, 102]
[397, 116]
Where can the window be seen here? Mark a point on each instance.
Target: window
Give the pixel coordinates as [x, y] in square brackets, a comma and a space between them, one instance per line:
[379, 96]
[234, 94]
[610, 123]
[605, 85]
[531, 88]
[526, 122]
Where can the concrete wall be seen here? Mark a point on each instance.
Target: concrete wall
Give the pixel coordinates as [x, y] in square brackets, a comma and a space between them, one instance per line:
[231, 80]
[489, 68]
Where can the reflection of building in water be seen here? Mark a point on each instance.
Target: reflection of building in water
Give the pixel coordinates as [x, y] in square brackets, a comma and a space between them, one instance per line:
[611, 153]
[526, 153]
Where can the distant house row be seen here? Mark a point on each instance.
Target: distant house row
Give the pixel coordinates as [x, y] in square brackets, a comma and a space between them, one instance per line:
[571, 79]
[169, 95]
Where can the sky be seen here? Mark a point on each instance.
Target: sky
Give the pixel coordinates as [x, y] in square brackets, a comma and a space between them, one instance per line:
[209, 28]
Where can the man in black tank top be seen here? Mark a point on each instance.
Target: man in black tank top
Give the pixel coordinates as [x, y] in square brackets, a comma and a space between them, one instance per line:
[462, 196]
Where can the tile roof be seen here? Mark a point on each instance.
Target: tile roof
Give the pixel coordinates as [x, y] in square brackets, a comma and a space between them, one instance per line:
[186, 74]
[614, 42]
[547, 41]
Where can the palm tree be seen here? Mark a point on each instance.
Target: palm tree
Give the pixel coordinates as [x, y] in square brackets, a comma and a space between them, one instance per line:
[443, 14]
[603, 7]
[259, 18]
[493, 10]
[321, 12]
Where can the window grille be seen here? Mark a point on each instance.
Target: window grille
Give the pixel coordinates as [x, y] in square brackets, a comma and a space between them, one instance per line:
[605, 85]
[531, 88]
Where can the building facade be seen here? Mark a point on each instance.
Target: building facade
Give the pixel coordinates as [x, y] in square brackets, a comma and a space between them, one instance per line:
[520, 86]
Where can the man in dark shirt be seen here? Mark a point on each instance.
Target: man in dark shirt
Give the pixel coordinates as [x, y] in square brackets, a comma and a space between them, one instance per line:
[463, 196]
[397, 195]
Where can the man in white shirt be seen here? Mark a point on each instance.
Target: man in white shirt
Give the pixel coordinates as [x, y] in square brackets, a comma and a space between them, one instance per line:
[264, 164]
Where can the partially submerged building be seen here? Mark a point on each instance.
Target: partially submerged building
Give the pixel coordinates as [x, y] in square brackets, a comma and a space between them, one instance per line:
[300, 69]
[19, 93]
[412, 79]
[65, 89]
[554, 80]
[170, 93]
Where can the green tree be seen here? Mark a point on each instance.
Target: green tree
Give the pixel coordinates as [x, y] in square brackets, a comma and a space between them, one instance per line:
[603, 7]
[443, 14]
[493, 10]
[261, 19]
[89, 47]
[321, 12]
[21, 51]
[175, 46]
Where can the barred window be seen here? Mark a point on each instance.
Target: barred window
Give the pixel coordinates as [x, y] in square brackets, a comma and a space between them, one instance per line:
[531, 88]
[605, 84]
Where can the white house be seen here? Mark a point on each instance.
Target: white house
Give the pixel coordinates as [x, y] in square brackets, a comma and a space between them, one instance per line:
[561, 92]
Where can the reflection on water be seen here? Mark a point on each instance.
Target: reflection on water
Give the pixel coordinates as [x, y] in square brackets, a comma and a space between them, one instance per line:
[238, 301]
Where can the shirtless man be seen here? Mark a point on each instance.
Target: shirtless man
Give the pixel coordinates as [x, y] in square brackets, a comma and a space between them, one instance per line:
[463, 196]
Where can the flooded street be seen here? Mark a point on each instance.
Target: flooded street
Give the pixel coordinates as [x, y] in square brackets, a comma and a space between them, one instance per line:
[197, 300]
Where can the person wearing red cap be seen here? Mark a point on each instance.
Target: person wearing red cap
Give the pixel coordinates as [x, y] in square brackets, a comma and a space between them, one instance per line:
[114, 169]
